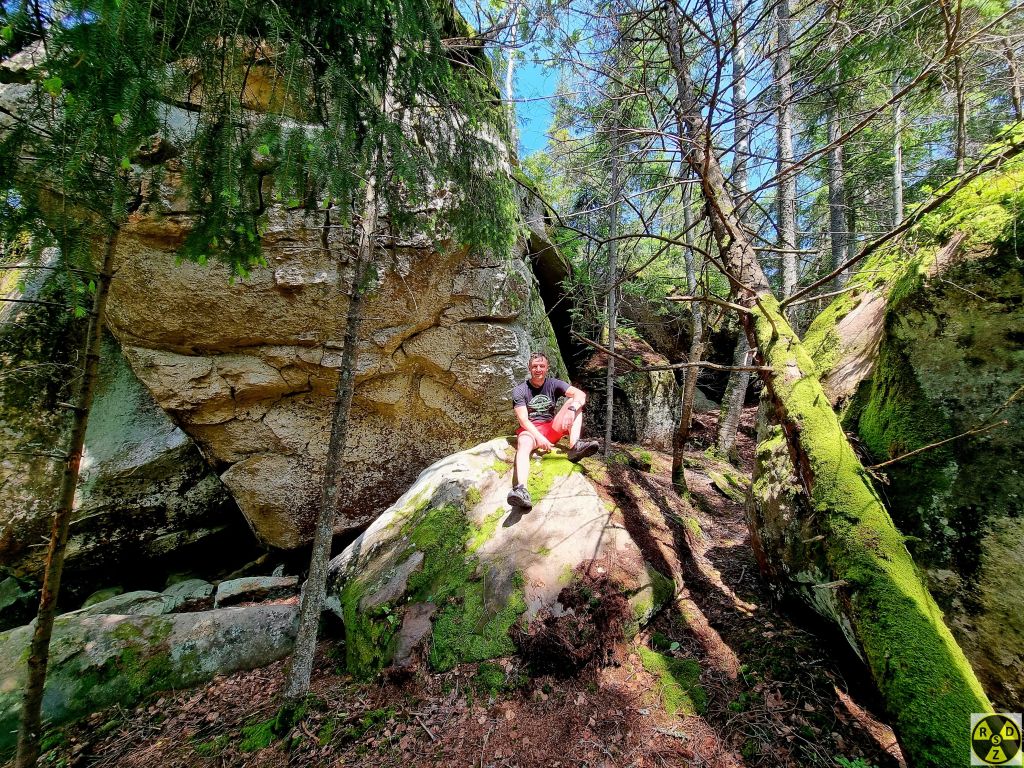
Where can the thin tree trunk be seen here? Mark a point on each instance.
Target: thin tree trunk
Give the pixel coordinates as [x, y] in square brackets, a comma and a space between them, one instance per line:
[696, 353]
[510, 66]
[613, 272]
[925, 682]
[741, 122]
[897, 165]
[30, 727]
[732, 400]
[836, 190]
[300, 666]
[784, 131]
[1015, 87]
[735, 389]
[961, 114]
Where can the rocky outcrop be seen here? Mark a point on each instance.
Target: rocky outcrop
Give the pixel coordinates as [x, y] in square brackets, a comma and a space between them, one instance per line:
[247, 368]
[450, 566]
[101, 659]
[916, 354]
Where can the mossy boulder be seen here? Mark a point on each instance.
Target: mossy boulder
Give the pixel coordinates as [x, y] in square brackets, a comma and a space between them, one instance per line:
[98, 660]
[937, 351]
[450, 561]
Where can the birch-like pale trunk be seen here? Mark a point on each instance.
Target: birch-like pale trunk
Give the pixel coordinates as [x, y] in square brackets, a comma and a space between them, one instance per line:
[787, 242]
[510, 67]
[925, 683]
[30, 725]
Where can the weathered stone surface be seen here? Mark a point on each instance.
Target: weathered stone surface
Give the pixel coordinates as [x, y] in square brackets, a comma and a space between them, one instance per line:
[452, 545]
[105, 659]
[248, 368]
[145, 490]
[647, 403]
[254, 588]
[190, 595]
[139, 603]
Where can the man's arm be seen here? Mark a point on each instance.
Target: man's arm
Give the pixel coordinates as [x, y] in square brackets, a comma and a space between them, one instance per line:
[523, 415]
[576, 398]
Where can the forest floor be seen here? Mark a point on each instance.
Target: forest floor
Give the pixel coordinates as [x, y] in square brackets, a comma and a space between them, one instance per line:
[766, 690]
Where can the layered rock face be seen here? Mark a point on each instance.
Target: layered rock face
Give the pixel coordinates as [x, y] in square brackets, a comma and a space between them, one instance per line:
[248, 368]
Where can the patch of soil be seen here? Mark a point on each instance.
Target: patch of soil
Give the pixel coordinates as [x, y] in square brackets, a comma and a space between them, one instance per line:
[589, 630]
[778, 694]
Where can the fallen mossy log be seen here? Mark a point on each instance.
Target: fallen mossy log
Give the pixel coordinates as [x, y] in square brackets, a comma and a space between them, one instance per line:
[926, 682]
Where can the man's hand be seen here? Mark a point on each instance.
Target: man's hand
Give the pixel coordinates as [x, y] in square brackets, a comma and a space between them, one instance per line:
[543, 444]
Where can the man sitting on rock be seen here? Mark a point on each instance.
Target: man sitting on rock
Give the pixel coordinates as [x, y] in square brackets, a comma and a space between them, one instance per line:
[540, 427]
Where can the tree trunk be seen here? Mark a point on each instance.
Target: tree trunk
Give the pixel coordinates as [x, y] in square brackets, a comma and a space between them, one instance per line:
[732, 400]
[1015, 88]
[510, 66]
[961, 114]
[741, 123]
[613, 272]
[729, 415]
[30, 727]
[925, 682]
[836, 190]
[784, 133]
[300, 666]
[682, 433]
[897, 165]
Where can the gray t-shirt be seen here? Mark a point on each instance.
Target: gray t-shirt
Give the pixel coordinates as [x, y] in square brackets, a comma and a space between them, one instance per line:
[541, 402]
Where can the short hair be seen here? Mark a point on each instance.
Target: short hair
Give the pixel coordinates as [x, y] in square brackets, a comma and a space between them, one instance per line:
[535, 355]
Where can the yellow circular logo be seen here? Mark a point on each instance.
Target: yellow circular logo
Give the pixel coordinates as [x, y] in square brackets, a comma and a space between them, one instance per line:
[995, 740]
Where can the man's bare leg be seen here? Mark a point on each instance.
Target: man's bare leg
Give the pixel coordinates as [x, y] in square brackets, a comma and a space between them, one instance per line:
[524, 447]
[577, 422]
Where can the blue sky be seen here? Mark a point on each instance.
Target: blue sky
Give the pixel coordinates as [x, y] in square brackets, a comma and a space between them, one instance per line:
[535, 84]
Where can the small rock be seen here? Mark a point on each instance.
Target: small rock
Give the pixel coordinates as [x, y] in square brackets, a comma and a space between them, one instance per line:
[252, 589]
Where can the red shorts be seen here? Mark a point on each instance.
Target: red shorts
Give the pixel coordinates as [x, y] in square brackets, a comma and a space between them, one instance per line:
[547, 429]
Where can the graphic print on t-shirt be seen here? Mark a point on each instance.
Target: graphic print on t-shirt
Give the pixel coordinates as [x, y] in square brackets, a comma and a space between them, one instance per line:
[541, 408]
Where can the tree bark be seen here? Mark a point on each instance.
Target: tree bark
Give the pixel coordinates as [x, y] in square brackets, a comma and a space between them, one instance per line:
[925, 682]
[736, 388]
[897, 165]
[682, 433]
[961, 114]
[300, 665]
[836, 190]
[732, 401]
[30, 726]
[1015, 87]
[784, 133]
[613, 271]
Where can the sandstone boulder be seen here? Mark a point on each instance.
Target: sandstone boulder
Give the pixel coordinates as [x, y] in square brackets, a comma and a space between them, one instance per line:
[97, 660]
[450, 561]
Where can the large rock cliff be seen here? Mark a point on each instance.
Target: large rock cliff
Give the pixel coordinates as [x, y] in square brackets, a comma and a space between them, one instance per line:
[246, 368]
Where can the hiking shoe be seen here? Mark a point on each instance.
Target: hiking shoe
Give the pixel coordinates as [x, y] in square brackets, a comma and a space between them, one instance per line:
[520, 497]
[582, 449]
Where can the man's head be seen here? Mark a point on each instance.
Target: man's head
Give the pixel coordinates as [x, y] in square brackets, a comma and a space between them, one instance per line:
[538, 367]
